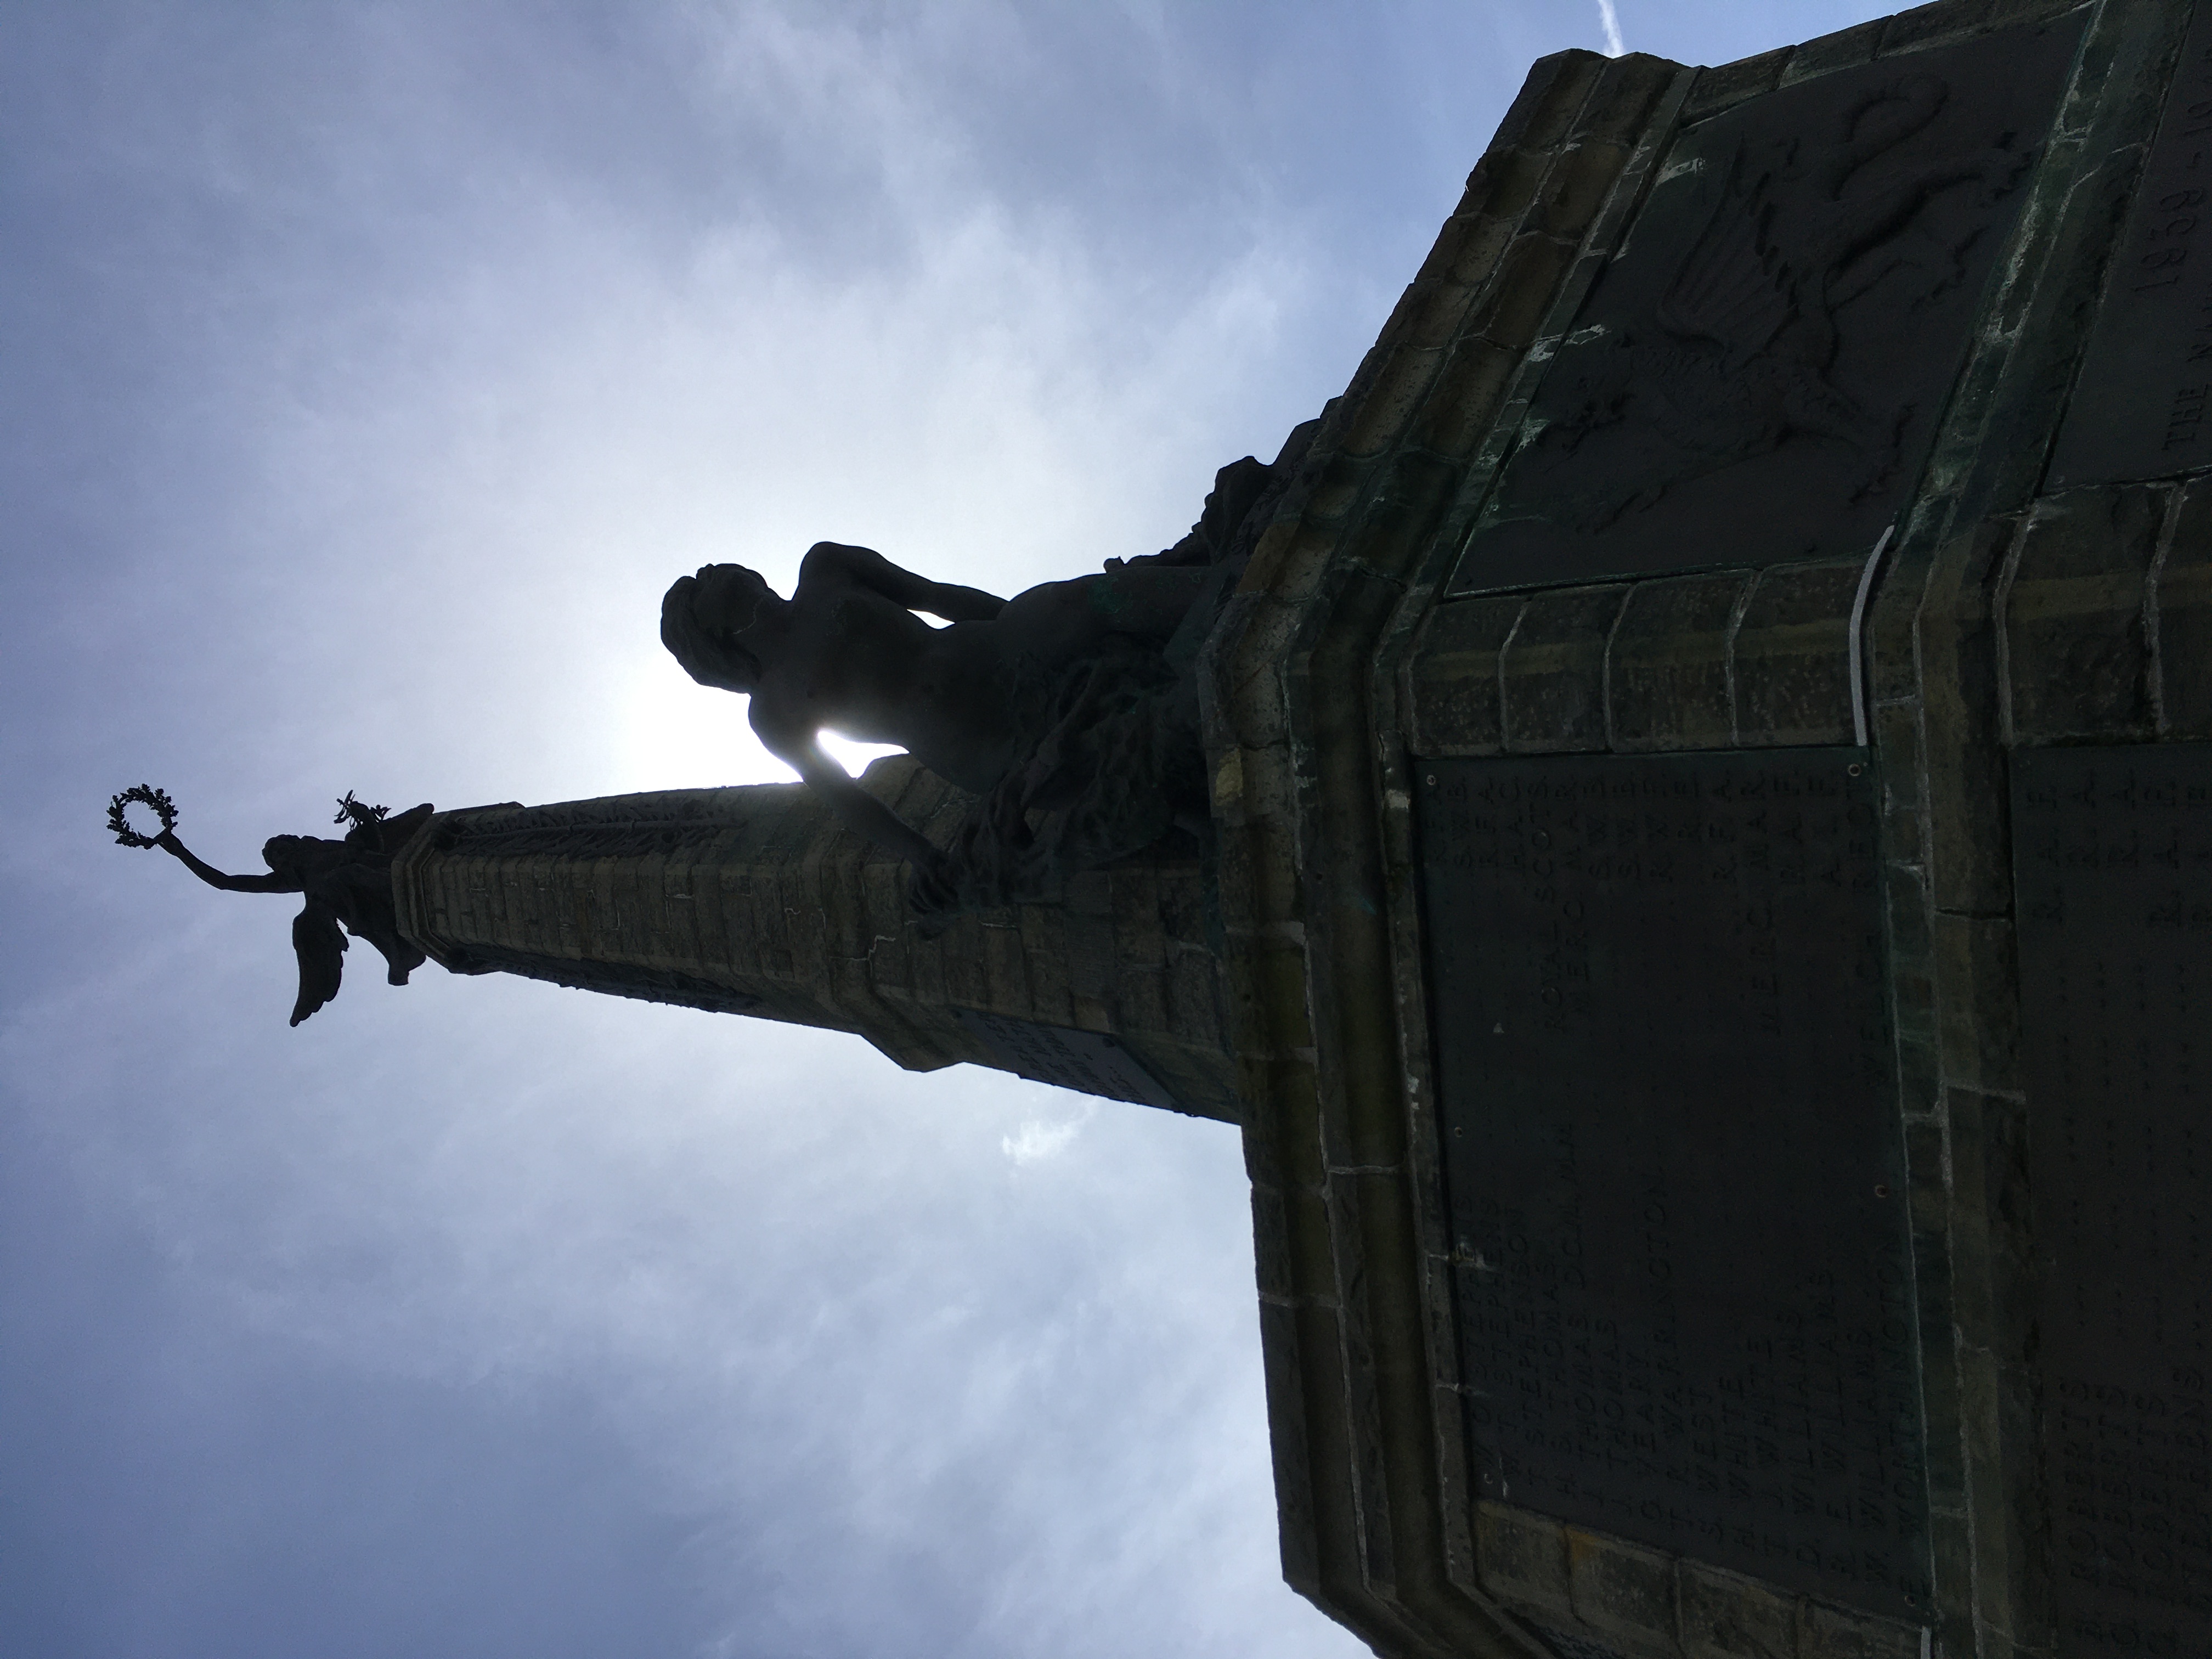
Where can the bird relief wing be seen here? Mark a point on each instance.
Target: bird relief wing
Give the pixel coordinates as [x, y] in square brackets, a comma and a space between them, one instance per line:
[321, 945]
[1733, 287]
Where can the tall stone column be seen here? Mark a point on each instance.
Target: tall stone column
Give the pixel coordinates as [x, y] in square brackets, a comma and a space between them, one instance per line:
[1710, 942]
[753, 901]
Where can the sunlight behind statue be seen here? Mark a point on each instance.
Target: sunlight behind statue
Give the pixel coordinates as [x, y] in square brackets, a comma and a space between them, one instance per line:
[1069, 711]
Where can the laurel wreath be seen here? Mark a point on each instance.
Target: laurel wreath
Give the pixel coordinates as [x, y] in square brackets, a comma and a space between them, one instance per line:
[145, 795]
[360, 813]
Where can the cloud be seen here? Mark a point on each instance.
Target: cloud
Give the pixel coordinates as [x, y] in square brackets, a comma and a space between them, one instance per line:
[1038, 1140]
[1609, 20]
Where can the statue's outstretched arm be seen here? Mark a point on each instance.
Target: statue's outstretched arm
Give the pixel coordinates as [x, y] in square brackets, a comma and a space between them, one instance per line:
[868, 569]
[214, 877]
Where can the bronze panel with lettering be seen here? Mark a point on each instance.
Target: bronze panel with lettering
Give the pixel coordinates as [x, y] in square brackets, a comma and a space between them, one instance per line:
[2112, 856]
[1674, 1159]
[1758, 374]
[2140, 402]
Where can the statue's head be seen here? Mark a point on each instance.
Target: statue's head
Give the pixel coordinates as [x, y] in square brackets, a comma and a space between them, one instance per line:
[284, 854]
[700, 617]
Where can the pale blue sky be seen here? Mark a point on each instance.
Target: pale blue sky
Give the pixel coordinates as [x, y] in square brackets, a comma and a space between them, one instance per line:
[369, 370]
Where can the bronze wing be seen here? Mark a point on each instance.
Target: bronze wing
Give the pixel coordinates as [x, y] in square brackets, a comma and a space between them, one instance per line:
[321, 945]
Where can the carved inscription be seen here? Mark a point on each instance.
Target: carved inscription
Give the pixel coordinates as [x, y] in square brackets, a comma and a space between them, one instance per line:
[1758, 373]
[1675, 1160]
[2139, 405]
[2113, 851]
[1089, 1062]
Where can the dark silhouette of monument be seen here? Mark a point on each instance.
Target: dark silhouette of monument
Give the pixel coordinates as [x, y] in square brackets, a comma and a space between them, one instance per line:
[347, 885]
[1677, 819]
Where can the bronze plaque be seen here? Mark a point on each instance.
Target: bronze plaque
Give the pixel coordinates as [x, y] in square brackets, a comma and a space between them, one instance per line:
[1758, 374]
[1675, 1160]
[2139, 405]
[2112, 855]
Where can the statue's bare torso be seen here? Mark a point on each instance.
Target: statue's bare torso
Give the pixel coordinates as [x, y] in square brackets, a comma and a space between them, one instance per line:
[848, 653]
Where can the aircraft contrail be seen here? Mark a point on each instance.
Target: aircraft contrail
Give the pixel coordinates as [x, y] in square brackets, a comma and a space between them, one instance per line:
[1610, 21]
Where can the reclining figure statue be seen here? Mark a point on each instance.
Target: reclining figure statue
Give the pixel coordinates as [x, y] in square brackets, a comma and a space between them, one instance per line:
[1069, 711]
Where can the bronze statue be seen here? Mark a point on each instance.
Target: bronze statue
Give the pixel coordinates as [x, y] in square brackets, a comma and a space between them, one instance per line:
[1070, 710]
[347, 883]
[848, 652]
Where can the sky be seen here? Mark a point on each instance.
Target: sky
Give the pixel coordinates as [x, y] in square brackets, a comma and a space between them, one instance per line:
[368, 371]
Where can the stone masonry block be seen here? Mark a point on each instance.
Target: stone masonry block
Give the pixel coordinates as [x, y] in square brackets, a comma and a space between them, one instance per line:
[1896, 734]
[1254, 698]
[1992, 1245]
[1791, 657]
[1933, 24]
[1622, 1589]
[1522, 1557]
[1195, 998]
[1978, 1001]
[1843, 49]
[1474, 252]
[967, 970]
[1270, 1245]
[1438, 306]
[1297, 1521]
[1953, 1615]
[1389, 402]
[2183, 607]
[1410, 494]
[1968, 803]
[1552, 677]
[1089, 958]
[883, 891]
[1520, 298]
[1912, 984]
[1140, 998]
[1576, 187]
[1333, 493]
[1725, 1616]
[1502, 187]
[1829, 1632]
[1667, 684]
[1283, 1149]
[1299, 572]
[1308, 1234]
[1725, 84]
[1549, 100]
[1462, 406]
[2078, 655]
[1007, 969]
[1454, 677]
[1996, 1410]
[1260, 871]
[1623, 99]
[2004, 14]
[1138, 940]
[1180, 890]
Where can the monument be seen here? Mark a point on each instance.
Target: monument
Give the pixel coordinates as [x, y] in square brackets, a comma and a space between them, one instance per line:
[1677, 817]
